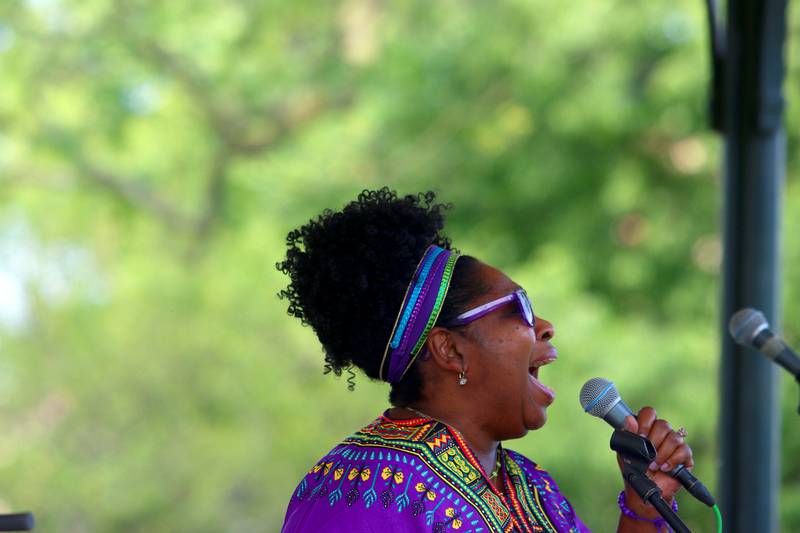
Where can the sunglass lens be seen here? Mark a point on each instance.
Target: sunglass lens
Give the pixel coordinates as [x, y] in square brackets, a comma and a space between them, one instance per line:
[527, 308]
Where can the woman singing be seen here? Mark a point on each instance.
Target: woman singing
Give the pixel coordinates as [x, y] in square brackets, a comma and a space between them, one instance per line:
[461, 349]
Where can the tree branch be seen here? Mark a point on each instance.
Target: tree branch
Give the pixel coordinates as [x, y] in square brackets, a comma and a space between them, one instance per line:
[130, 190]
[285, 119]
[215, 194]
[136, 194]
[239, 131]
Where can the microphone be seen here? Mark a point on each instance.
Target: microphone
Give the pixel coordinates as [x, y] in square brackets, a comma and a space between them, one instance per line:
[749, 327]
[599, 397]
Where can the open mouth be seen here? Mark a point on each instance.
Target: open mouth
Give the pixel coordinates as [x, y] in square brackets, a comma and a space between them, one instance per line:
[533, 374]
[534, 367]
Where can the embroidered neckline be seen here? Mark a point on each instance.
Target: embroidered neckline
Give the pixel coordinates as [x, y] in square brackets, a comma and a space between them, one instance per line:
[514, 488]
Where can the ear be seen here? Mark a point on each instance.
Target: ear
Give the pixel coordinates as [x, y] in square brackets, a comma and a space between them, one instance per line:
[444, 349]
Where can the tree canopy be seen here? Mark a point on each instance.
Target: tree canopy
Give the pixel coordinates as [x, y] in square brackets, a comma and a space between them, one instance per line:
[155, 154]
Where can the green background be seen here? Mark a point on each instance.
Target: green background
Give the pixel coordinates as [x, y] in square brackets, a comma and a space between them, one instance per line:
[153, 156]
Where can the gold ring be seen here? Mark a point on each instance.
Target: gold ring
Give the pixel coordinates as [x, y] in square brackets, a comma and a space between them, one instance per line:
[682, 432]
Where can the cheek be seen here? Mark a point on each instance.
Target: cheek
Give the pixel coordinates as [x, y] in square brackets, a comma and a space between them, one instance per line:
[505, 368]
[510, 338]
[517, 344]
[504, 357]
[494, 376]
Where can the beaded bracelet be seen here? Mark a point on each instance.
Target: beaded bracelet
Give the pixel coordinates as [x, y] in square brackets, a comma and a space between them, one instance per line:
[658, 522]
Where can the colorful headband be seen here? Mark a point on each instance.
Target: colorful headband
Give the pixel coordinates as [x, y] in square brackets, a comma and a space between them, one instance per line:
[421, 305]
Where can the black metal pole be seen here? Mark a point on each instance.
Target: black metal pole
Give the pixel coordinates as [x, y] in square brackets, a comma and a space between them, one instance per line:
[754, 170]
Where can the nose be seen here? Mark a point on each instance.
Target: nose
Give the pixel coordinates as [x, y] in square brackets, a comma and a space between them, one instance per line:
[544, 330]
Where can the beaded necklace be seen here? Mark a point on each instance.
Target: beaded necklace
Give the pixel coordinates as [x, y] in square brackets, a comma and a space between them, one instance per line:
[498, 462]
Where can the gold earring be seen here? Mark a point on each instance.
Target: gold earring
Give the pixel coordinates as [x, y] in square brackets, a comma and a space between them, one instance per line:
[462, 379]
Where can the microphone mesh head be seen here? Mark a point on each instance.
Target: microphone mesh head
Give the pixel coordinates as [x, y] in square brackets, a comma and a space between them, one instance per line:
[600, 395]
[745, 324]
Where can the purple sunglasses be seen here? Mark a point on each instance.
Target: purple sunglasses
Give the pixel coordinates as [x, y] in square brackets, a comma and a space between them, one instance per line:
[523, 302]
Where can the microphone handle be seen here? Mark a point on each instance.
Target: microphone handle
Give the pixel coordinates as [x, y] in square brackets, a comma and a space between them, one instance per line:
[776, 349]
[788, 360]
[693, 485]
[616, 417]
[617, 414]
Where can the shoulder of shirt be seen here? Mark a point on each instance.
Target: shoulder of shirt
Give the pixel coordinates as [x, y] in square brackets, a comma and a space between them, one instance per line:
[386, 430]
[383, 430]
[528, 466]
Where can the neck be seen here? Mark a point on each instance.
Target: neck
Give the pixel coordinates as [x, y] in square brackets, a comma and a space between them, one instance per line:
[483, 445]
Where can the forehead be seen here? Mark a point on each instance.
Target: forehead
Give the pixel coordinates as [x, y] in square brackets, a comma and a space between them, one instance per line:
[496, 282]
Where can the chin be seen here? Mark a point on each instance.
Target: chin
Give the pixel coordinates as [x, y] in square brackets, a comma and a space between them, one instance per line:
[536, 423]
[512, 435]
[526, 426]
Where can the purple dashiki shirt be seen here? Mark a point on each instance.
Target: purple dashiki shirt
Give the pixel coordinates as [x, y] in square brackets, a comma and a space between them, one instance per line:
[419, 475]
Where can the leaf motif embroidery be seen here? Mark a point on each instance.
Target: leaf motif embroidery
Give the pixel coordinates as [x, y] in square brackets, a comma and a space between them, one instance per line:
[334, 496]
[301, 489]
[402, 501]
[369, 497]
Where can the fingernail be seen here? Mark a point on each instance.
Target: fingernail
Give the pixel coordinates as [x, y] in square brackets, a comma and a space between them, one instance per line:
[642, 435]
[653, 466]
[665, 467]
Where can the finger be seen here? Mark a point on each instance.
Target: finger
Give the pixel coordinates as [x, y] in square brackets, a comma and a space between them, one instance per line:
[645, 418]
[668, 447]
[681, 455]
[668, 484]
[659, 431]
[631, 424]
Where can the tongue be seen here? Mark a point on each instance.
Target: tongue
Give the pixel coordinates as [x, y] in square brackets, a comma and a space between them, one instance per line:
[550, 393]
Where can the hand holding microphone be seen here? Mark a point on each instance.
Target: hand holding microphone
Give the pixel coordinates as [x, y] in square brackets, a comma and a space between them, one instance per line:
[670, 469]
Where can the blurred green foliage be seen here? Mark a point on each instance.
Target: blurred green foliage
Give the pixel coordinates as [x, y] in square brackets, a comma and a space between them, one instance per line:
[153, 156]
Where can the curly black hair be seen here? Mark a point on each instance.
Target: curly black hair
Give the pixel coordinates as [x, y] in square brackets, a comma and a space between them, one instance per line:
[349, 271]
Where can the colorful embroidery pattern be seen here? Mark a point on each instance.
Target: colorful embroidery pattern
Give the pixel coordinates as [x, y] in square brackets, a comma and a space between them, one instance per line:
[421, 470]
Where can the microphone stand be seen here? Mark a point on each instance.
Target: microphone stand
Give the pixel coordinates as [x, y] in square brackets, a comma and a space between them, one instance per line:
[797, 378]
[637, 453]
